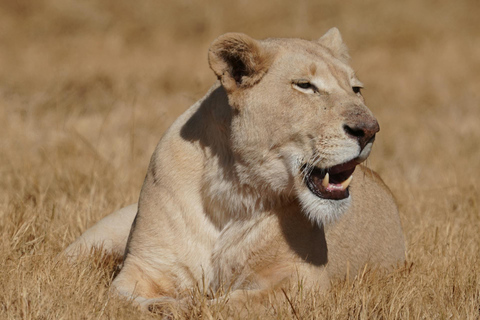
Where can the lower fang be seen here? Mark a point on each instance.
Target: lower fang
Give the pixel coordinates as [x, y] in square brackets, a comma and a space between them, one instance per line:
[346, 183]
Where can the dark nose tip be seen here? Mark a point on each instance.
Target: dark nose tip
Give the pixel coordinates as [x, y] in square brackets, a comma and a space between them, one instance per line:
[363, 132]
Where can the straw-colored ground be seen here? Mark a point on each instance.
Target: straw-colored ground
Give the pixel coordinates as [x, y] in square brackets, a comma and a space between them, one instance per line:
[88, 87]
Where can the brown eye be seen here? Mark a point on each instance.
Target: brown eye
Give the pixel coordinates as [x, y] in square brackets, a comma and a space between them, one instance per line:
[304, 85]
[356, 89]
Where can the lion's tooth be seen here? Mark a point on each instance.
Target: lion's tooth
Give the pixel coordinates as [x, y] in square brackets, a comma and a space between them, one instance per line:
[346, 183]
[326, 180]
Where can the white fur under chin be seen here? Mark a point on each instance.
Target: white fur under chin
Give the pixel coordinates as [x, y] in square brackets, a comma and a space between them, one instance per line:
[322, 211]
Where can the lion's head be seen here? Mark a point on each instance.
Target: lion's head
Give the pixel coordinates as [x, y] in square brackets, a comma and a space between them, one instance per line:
[300, 123]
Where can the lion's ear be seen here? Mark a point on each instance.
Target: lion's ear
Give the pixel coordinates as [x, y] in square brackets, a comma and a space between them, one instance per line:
[238, 60]
[334, 42]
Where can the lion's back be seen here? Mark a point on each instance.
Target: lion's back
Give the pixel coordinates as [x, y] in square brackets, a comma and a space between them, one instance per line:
[370, 232]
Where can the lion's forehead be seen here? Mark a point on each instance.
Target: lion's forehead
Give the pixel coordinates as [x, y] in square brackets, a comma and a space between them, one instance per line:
[312, 50]
[303, 59]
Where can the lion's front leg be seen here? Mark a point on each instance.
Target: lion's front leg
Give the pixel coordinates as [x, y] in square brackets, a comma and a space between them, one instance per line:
[169, 248]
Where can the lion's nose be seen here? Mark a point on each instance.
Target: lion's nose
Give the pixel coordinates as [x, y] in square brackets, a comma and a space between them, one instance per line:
[364, 132]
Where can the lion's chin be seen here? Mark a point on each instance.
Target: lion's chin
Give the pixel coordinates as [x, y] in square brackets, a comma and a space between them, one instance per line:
[322, 211]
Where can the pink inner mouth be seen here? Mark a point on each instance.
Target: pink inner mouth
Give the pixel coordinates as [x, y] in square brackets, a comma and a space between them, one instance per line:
[336, 188]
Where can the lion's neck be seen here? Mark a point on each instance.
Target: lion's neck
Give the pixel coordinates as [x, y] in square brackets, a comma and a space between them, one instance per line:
[226, 198]
[226, 195]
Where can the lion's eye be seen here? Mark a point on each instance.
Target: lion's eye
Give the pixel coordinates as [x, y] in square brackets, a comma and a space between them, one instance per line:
[357, 89]
[305, 86]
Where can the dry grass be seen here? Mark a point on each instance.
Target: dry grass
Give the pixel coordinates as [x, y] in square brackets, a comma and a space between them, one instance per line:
[88, 87]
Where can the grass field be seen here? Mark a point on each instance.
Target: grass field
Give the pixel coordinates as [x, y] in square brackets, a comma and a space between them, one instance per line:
[88, 87]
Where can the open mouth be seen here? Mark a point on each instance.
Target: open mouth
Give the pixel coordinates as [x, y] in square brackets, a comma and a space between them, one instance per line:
[331, 183]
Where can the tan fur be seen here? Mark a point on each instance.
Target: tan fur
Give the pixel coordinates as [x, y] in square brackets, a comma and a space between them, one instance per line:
[224, 203]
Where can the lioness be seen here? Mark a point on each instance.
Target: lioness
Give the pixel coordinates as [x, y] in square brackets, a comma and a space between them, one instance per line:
[258, 184]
